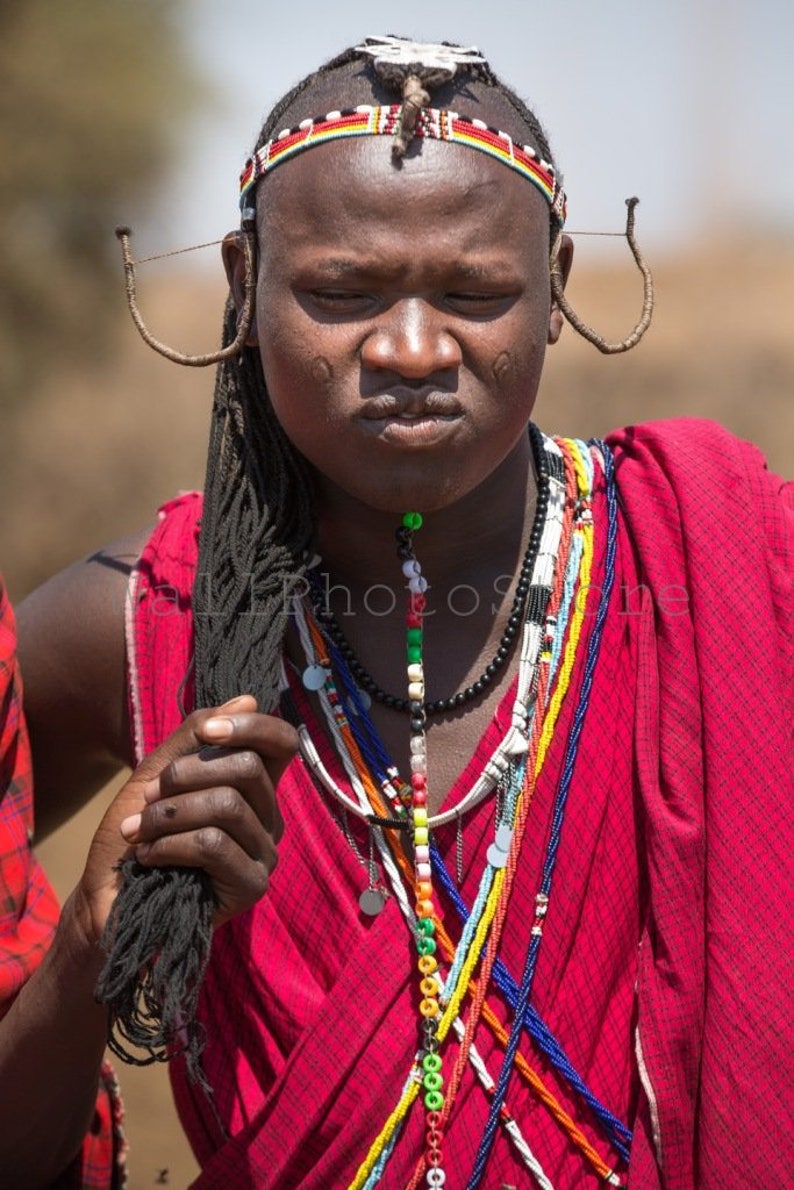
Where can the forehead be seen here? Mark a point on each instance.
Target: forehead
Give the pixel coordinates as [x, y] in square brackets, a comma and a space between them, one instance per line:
[350, 188]
[343, 208]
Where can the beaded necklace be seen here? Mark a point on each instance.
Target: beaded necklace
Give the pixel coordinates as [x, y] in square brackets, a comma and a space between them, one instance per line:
[443, 705]
[571, 463]
[490, 905]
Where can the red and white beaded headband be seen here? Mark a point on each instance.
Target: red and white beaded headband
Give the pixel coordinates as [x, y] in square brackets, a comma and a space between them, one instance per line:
[432, 123]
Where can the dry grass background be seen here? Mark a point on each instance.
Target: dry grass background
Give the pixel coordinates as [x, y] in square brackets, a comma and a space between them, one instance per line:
[92, 457]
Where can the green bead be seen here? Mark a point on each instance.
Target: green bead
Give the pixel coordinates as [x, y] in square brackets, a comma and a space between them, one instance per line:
[412, 520]
[414, 653]
[432, 1081]
[426, 945]
[431, 1063]
[426, 925]
[434, 1101]
[414, 636]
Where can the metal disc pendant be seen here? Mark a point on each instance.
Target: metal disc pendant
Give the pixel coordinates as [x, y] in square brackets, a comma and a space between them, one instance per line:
[371, 901]
[313, 677]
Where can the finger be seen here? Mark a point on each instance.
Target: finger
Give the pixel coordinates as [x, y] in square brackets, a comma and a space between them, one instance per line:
[241, 769]
[224, 809]
[238, 880]
[275, 740]
[186, 738]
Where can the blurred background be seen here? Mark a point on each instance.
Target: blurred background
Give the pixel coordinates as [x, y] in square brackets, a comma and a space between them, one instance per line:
[143, 111]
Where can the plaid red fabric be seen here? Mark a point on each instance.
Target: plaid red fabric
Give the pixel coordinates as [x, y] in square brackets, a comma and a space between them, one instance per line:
[715, 777]
[309, 1008]
[29, 911]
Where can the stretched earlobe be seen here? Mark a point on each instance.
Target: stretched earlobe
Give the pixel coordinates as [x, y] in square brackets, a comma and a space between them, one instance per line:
[560, 261]
[233, 252]
[558, 279]
[245, 317]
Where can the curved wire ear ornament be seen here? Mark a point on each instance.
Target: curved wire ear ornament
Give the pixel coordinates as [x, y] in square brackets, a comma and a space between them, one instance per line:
[244, 322]
[577, 323]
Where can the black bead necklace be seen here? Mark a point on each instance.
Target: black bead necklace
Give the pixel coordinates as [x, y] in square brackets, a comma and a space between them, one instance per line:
[440, 706]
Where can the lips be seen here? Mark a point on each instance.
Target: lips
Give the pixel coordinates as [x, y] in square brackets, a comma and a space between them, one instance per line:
[407, 405]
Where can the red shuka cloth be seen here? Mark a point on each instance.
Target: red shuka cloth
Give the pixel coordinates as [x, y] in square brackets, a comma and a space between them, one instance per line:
[29, 912]
[663, 966]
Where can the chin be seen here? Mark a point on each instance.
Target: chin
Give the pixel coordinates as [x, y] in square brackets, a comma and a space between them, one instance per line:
[426, 495]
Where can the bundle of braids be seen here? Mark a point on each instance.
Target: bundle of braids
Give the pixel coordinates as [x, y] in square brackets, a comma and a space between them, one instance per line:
[257, 535]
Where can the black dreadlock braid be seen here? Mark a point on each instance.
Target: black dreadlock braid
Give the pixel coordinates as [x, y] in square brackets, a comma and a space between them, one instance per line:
[257, 534]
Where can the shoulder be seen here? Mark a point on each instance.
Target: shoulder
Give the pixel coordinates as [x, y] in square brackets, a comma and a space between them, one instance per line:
[171, 548]
[699, 466]
[73, 654]
[81, 606]
[73, 661]
[77, 618]
[682, 445]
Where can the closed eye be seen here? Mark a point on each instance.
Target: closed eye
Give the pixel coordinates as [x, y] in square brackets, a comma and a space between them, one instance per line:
[341, 301]
[483, 304]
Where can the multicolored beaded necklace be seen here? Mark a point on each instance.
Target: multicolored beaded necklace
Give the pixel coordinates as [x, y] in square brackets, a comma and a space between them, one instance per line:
[552, 632]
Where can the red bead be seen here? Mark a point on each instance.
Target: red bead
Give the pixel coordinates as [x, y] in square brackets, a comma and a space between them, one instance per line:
[420, 797]
[418, 603]
[413, 620]
[418, 781]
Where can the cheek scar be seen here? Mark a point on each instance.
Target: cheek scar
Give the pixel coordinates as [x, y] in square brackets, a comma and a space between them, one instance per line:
[502, 367]
[322, 371]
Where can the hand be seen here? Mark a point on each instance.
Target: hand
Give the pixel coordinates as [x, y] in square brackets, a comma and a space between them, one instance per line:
[206, 798]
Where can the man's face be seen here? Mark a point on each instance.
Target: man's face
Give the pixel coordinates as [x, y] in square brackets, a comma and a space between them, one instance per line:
[402, 316]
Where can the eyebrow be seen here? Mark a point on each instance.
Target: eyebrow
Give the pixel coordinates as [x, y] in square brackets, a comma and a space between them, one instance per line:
[336, 267]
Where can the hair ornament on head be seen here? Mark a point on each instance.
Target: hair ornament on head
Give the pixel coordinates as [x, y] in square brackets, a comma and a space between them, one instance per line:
[431, 123]
[412, 67]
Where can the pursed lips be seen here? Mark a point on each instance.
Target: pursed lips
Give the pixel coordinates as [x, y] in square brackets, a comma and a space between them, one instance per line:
[421, 419]
[410, 405]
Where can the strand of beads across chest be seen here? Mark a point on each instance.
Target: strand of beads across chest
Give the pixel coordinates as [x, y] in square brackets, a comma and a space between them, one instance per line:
[426, 913]
[552, 630]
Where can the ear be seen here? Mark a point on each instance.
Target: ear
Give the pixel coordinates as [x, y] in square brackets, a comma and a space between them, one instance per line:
[562, 263]
[234, 263]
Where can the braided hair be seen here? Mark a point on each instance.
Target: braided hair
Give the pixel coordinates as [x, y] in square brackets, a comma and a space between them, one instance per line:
[257, 538]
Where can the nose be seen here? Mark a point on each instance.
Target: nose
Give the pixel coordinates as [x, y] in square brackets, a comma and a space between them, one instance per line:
[412, 340]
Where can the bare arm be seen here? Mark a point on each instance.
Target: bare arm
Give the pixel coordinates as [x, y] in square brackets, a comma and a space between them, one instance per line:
[206, 798]
[72, 654]
[51, 1044]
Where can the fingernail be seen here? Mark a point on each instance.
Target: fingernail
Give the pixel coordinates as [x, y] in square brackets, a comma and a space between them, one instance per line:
[217, 729]
[130, 826]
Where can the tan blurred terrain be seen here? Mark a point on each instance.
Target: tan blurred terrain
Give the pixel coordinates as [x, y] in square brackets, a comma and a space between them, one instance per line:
[91, 459]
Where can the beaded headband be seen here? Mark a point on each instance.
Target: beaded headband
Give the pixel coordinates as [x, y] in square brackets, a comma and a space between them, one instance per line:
[431, 123]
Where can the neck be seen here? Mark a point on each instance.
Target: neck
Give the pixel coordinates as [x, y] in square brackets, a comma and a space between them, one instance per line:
[481, 532]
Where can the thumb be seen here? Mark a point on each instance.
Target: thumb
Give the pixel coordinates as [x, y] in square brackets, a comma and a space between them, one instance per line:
[185, 739]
